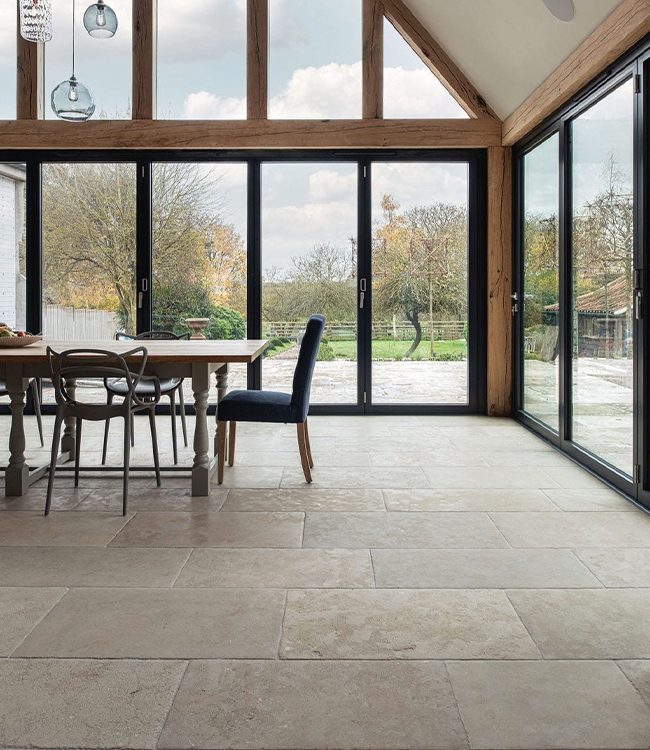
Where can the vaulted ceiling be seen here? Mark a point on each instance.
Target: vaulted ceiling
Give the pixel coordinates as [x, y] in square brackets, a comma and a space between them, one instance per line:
[507, 47]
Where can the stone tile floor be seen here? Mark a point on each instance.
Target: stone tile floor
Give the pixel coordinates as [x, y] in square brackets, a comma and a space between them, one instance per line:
[445, 582]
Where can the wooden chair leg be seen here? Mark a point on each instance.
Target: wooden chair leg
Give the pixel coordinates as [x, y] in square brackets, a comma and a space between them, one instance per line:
[302, 447]
[77, 451]
[128, 435]
[37, 409]
[222, 426]
[154, 444]
[308, 445]
[181, 401]
[231, 443]
[172, 409]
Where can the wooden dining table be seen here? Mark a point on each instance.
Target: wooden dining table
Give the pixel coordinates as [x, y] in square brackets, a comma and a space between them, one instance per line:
[195, 359]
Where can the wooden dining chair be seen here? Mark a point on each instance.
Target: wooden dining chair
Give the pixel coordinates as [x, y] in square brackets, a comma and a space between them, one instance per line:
[169, 387]
[77, 364]
[274, 406]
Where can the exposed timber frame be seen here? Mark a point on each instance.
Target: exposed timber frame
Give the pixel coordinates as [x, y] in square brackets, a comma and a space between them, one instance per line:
[626, 25]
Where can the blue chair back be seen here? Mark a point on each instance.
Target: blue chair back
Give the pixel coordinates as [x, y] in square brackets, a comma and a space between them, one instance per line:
[305, 367]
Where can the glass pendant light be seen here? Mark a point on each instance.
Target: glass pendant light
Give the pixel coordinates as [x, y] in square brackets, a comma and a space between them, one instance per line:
[72, 100]
[36, 20]
[100, 20]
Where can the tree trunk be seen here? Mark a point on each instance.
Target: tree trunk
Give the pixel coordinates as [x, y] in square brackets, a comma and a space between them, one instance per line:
[414, 320]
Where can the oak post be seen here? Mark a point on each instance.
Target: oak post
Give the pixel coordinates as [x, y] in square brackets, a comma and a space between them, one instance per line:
[257, 54]
[373, 59]
[145, 24]
[29, 79]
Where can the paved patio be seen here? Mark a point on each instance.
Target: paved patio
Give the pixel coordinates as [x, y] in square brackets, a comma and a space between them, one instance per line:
[408, 598]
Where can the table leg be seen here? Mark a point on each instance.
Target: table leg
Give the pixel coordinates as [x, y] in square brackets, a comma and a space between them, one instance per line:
[17, 472]
[201, 468]
[69, 439]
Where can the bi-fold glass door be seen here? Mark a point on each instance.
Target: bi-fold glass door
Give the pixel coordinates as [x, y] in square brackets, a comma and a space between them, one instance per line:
[581, 279]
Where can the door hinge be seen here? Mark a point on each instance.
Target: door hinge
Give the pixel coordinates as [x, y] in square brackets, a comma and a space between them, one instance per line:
[637, 83]
[636, 474]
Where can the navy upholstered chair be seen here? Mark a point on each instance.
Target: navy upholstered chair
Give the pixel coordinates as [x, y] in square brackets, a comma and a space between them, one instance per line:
[273, 406]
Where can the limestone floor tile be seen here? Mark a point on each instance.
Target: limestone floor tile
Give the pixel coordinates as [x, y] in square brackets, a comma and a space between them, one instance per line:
[90, 566]
[399, 624]
[480, 569]
[81, 703]
[638, 673]
[153, 499]
[467, 500]
[59, 529]
[21, 609]
[590, 499]
[541, 704]
[533, 458]
[325, 457]
[212, 530]
[440, 457]
[298, 705]
[278, 568]
[618, 567]
[573, 477]
[575, 529]
[346, 477]
[593, 623]
[443, 530]
[161, 624]
[304, 499]
[63, 498]
[488, 477]
[253, 476]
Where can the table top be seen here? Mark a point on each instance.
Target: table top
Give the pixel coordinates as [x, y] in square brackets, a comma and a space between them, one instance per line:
[194, 350]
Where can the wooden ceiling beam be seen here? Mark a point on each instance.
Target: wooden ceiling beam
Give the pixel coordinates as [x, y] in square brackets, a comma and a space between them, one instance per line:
[437, 60]
[373, 59]
[257, 59]
[247, 134]
[145, 24]
[626, 25]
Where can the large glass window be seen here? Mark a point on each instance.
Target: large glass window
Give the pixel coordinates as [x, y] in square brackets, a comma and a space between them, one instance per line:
[12, 245]
[541, 286]
[199, 253]
[8, 26]
[315, 59]
[309, 257]
[603, 278]
[410, 88]
[419, 280]
[201, 59]
[103, 65]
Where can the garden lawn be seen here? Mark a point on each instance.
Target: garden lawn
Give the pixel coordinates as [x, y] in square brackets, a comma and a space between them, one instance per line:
[389, 349]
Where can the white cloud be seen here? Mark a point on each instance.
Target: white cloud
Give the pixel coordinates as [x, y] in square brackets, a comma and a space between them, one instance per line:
[417, 93]
[203, 105]
[327, 185]
[419, 183]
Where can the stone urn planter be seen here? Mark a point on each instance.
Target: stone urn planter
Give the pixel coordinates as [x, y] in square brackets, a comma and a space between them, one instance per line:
[197, 326]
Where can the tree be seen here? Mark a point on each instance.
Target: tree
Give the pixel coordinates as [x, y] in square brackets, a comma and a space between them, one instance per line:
[420, 263]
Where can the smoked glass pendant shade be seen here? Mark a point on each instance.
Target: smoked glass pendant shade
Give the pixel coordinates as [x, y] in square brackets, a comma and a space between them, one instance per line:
[72, 101]
[100, 20]
[36, 20]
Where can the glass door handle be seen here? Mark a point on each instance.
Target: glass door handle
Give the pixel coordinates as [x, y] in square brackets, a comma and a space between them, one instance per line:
[361, 300]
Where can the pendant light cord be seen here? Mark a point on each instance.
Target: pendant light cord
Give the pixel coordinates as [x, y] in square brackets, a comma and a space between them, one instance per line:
[73, 9]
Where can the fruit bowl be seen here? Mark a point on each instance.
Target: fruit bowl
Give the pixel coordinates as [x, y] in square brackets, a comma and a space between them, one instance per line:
[10, 342]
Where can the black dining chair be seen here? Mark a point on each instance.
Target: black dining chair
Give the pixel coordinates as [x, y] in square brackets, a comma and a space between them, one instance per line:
[33, 386]
[77, 364]
[168, 387]
[273, 406]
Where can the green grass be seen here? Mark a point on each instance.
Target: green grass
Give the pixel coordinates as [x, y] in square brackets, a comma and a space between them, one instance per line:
[394, 350]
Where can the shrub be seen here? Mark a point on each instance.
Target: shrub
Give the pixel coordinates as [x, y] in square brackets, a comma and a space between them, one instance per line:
[325, 353]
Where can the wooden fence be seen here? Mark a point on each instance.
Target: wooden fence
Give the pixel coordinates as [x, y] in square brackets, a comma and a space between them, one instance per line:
[75, 324]
[445, 330]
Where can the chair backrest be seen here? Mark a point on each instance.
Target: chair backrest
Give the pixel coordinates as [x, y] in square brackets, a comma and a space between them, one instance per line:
[305, 367]
[78, 364]
[152, 335]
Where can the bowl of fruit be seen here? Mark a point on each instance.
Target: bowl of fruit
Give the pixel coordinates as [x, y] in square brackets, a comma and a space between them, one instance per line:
[11, 338]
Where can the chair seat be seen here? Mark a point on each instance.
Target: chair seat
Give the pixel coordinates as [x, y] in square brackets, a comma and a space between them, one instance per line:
[144, 387]
[255, 406]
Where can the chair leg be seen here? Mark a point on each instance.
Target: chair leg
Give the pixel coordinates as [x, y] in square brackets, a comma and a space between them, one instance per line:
[231, 443]
[302, 447]
[77, 451]
[221, 448]
[308, 446]
[172, 408]
[37, 409]
[181, 402]
[154, 443]
[128, 434]
[56, 439]
[109, 401]
[132, 430]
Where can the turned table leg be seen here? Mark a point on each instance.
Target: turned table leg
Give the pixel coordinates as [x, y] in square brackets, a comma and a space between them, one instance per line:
[69, 439]
[17, 472]
[201, 467]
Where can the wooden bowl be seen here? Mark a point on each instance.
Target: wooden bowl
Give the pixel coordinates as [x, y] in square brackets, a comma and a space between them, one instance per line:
[13, 342]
